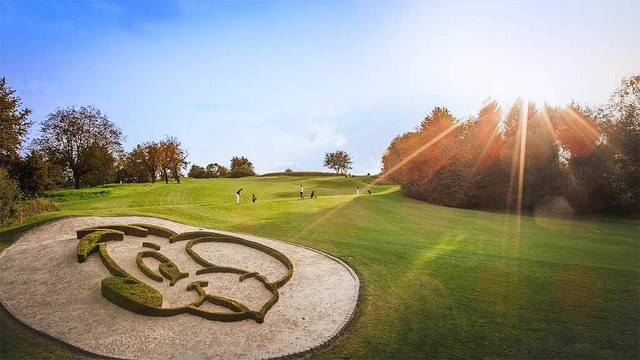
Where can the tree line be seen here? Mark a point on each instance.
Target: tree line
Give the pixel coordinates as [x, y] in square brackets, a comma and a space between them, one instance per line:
[79, 147]
[240, 166]
[578, 158]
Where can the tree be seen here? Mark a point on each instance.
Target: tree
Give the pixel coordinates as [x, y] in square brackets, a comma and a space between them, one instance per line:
[9, 196]
[171, 159]
[14, 125]
[339, 161]
[103, 167]
[149, 154]
[486, 141]
[80, 139]
[197, 172]
[620, 120]
[134, 166]
[33, 175]
[216, 170]
[240, 167]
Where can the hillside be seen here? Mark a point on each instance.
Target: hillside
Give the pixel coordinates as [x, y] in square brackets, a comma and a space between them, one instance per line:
[438, 282]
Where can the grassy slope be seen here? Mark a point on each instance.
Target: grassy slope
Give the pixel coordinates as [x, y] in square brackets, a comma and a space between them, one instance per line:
[439, 282]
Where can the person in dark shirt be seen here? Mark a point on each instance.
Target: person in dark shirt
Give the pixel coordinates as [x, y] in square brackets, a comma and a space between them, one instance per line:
[238, 195]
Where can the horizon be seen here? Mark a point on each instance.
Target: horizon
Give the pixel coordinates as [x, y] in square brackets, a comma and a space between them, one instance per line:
[303, 79]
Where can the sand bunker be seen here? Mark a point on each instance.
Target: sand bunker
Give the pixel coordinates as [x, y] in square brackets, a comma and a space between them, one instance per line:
[44, 286]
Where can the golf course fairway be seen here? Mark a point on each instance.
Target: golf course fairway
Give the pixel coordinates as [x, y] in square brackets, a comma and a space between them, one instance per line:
[437, 282]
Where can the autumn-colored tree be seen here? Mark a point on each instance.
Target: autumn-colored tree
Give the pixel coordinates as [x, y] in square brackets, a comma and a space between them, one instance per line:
[134, 166]
[171, 159]
[149, 153]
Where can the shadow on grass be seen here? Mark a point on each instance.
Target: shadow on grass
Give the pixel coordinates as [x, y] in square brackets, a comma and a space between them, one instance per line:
[19, 341]
[9, 235]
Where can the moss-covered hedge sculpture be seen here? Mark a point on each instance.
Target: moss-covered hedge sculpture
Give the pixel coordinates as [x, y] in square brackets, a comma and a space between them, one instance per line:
[89, 243]
[126, 229]
[156, 230]
[167, 268]
[151, 245]
[134, 295]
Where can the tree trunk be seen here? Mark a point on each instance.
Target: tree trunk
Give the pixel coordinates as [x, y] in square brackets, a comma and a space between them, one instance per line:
[76, 181]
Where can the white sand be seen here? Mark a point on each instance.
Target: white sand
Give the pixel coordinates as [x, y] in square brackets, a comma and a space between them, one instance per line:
[43, 285]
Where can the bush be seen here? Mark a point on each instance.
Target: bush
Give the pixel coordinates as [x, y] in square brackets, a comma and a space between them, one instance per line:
[37, 206]
[34, 175]
[9, 197]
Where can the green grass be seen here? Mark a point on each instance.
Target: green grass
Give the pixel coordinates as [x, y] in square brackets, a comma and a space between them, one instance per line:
[438, 282]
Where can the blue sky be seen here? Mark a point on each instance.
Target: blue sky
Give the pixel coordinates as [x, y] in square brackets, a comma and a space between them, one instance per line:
[285, 82]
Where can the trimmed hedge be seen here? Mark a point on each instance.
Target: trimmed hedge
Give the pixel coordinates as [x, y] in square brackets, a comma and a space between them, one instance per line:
[88, 244]
[194, 235]
[151, 245]
[134, 295]
[235, 240]
[156, 230]
[127, 229]
[130, 293]
[111, 265]
[144, 268]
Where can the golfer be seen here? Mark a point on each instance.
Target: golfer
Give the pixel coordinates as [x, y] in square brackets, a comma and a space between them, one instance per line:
[238, 195]
[301, 192]
[357, 189]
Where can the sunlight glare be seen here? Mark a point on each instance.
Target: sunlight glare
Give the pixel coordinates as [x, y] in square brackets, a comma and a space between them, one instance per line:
[417, 152]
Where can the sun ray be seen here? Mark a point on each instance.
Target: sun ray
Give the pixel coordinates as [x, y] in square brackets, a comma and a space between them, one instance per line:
[492, 138]
[523, 145]
[512, 174]
[330, 214]
[417, 152]
[585, 126]
[547, 121]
